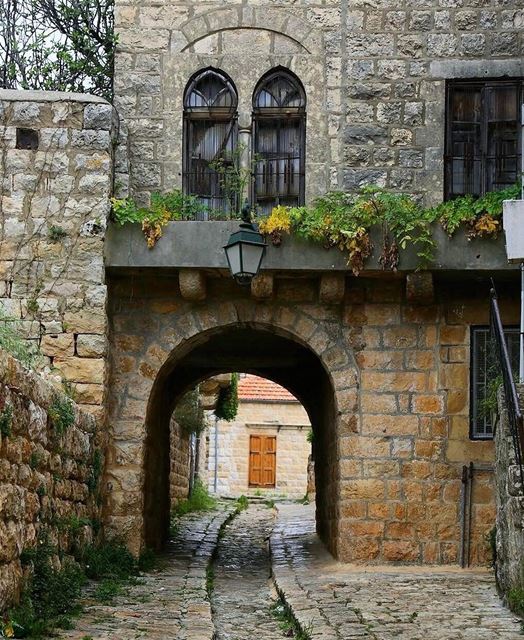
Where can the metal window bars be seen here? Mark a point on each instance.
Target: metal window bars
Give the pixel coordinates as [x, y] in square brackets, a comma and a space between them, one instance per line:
[516, 422]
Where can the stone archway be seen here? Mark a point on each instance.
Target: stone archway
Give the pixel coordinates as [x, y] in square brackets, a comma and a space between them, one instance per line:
[274, 354]
[161, 345]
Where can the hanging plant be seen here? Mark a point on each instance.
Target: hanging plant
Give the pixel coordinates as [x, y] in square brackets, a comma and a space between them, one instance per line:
[227, 403]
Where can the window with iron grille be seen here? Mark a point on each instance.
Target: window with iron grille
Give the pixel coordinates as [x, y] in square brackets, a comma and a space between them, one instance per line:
[279, 140]
[483, 136]
[210, 134]
[483, 371]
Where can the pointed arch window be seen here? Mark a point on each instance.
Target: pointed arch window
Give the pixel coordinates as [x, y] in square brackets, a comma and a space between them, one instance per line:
[210, 135]
[279, 141]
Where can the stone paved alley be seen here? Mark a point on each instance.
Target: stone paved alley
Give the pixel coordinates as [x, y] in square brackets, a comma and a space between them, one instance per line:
[330, 600]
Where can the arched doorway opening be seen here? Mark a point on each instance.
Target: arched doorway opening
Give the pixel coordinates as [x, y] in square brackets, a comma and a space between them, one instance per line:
[261, 350]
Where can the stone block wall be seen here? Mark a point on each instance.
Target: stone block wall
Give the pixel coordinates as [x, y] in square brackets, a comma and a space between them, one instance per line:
[48, 480]
[288, 422]
[374, 75]
[180, 463]
[509, 564]
[56, 153]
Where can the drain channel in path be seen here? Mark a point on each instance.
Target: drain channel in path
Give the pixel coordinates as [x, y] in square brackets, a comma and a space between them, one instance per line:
[240, 586]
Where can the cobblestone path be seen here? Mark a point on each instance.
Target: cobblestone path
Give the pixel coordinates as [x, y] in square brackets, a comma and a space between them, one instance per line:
[167, 604]
[346, 602]
[242, 590]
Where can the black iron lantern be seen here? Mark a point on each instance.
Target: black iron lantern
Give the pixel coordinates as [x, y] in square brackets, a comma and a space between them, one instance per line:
[244, 252]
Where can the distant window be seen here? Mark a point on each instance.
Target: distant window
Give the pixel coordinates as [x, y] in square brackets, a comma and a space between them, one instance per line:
[210, 134]
[484, 370]
[483, 136]
[279, 122]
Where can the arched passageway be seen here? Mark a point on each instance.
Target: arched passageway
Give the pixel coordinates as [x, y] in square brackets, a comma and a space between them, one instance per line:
[252, 348]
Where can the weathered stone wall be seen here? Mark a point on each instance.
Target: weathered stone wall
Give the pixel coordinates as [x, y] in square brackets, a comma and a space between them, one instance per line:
[48, 480]
[397, 446]
[54, 204]
[180, 458]
[374, 75]
[288, 422]
[509, 564]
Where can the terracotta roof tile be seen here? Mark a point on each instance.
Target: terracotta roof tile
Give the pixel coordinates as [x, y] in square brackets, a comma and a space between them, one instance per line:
[252, 387]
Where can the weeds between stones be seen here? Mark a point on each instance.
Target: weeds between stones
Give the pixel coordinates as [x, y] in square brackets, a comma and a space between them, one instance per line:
[287, 621]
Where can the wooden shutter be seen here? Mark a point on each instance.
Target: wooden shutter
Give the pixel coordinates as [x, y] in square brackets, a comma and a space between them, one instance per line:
[262, 461]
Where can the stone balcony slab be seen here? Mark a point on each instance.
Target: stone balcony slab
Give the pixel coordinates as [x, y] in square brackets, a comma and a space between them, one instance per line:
[199, 245]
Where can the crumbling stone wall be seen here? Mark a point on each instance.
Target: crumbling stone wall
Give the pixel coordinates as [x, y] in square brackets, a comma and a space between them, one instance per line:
[49, 481]
[510, 506]
[374, 75]
[56, 154]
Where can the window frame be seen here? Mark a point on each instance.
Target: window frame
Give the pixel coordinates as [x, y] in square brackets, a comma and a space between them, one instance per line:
[483, 85]
[193, 115]
[280, 115]
[475, 330]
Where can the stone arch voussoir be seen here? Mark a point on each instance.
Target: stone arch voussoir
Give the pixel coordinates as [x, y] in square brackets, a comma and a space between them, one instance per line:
[275, 19]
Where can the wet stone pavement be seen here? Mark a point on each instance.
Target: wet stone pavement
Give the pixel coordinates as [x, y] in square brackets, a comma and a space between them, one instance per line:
[331, 601]
[345, 602]
[242, 590]
[168, 604]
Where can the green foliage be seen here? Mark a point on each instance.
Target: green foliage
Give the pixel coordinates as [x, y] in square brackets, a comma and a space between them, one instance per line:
[233, 177]
[344, 220]
[56, 233]
[6, 421]
[210, 579]
[467, 209]
[227, 402]
[95, 472]
[189, 413]
[51, 592]
[108, 590]
[59, 45]
[11, 340]
[199, 500]
[491, 539]
[270, 503]
[310, 436]
[62, 414]
[111, 560]
[287, 621]
[147, 560]
[242, 503]
[516, 600]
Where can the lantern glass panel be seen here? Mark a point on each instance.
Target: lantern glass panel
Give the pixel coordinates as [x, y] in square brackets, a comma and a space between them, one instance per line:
[233, 256]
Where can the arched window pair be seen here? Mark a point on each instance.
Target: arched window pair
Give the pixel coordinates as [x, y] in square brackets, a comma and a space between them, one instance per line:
[278, 140]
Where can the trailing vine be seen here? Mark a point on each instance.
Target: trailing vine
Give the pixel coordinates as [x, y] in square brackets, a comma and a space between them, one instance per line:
[227, 402]
[344, 220]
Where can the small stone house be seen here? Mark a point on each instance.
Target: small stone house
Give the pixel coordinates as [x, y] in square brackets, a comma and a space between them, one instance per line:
[265, 449]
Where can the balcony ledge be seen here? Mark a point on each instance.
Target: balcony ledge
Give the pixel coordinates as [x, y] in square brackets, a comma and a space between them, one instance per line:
[199, 245]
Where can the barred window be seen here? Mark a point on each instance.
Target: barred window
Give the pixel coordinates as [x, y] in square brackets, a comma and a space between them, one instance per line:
[210, 135]
[279, 140]
[483, 136]
[483, 372]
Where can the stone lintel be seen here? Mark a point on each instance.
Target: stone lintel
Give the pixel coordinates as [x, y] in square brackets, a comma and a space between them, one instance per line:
[332, 288]
[262, 286]
[419, 288]
[192, 284]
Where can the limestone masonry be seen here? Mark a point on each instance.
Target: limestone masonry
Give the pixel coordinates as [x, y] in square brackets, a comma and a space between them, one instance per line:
[382, 364]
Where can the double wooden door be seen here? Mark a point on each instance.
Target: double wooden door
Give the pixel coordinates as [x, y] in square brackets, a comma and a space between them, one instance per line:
[262, 461]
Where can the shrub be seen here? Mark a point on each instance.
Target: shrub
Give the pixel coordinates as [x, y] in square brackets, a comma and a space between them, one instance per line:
[62, 414]
[199, 500]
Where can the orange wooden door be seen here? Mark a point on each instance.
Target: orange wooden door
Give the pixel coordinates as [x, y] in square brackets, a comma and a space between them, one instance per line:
[262, 461]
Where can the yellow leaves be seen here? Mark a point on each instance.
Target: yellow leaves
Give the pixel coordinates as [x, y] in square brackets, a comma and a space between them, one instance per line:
[278, 221]
[152, 232]
[486, 225]
[8, 631]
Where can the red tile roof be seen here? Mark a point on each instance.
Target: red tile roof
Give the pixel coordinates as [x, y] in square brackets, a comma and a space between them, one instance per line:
[252, 387]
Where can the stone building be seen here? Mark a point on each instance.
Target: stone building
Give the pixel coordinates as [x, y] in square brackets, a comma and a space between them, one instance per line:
[265, 449]
[390, 366]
